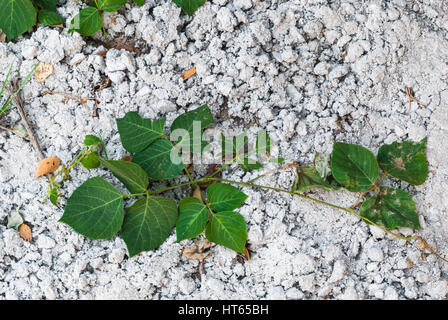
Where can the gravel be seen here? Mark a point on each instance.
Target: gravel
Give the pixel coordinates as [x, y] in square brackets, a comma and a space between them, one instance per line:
[309, 72]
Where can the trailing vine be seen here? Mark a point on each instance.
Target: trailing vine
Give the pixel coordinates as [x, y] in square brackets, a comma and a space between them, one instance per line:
[96, 209]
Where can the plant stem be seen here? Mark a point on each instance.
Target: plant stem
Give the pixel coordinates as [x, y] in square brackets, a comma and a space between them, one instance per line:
[185, 167]
[348, 210]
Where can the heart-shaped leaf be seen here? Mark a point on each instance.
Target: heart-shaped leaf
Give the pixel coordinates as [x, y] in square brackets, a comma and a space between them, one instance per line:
[393, 208]
[353, 166]
[87, 22]
[47, 4]
[228, 229]
[224, 197]
[193, 216]
[189, 6]
[405, 161]
[131, 174]
[192, 124]
[91, 140]
[137, 133]
[148, 223]
[50, 18]
[91, 161]
[110, 5]
[308, 178]
[16, 17]
[95, 209]
[160, 160]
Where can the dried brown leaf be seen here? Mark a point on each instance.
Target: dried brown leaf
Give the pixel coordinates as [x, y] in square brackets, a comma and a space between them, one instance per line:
[247, 254]
[197, 193]
[2, 37]
[126, 158]
[410, 263]
[189, 73]
[25, 232]
[43, 71]
[47, 165]
[198, 253]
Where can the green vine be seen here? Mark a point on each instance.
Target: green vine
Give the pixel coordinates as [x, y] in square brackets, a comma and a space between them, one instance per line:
[97, 209]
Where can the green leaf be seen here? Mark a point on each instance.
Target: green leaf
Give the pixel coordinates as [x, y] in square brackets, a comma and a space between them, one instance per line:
[54, 196]
[353, 166]
[189, 6]
[322, 163]
[194, 122]
[87, 22]
[91, 161]
[110, 5]
[393, 208]
[308, 178]
[224, 197]
[47, 4]
[148, 223]
[193, 216]
[16, 17]
[405, 161]
[95, 209]
[140, 2]
[50, 18]
[156, 160]
[91, 140]
[136, 133]
[130, 174]
[228, 229]
[14, 219]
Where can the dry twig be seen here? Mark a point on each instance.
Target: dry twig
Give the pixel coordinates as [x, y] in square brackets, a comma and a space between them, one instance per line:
[21, 108]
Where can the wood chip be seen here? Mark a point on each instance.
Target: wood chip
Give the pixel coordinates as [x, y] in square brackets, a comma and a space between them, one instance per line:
[189, 73]
[47, 165]
[25, 232]
[43, 71]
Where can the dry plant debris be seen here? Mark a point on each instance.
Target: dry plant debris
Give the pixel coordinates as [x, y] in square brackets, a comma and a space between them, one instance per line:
[47, 165]
[410, 94]
[25, 232]
[196, 252]
[189, 73]
[43, 71]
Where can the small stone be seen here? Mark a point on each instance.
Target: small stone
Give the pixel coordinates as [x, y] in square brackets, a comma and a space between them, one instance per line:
[390, 294]
[339, 270]
[117, 255]
[375, 254]
[276, 293]
[321, 68]
[44, 242]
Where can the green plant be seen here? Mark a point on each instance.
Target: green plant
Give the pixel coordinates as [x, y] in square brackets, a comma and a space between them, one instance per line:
[96, 208]
[89, 20]
[18, 16]
[88, 157]
[5, 106]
